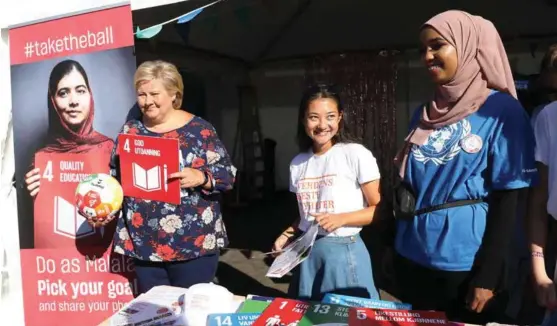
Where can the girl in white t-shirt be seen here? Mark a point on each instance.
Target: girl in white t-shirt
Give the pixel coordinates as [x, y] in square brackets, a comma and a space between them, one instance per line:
[542, 210]
[336, 182]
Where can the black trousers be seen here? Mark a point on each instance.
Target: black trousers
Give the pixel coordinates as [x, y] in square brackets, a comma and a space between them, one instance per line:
[550, 251]
[429, 289]
[180, 273]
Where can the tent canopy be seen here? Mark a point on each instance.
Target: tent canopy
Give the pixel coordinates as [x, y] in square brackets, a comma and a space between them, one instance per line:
[253, 31]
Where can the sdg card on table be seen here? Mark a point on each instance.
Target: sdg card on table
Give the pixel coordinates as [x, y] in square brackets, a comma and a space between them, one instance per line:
[323, 313]
[253, 306]
[364, 302]
[235, 319]
[282, 312]
[380, 317]
[259, 298]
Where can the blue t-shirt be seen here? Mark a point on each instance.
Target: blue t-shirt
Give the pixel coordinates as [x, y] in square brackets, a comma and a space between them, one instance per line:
[492, 149]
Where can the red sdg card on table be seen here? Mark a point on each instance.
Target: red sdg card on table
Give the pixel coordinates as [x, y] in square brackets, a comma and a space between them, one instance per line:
[282, 312]
[386, 317]
[145, 164]
[57, 222]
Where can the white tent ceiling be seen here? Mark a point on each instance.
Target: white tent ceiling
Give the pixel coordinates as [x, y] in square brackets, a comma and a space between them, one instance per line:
[256, 30]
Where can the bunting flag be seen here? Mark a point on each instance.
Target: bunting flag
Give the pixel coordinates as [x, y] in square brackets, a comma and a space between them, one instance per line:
[189, 16]
[149, 32]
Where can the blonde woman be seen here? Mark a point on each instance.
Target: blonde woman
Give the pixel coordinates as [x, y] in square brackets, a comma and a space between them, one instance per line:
[175, 245]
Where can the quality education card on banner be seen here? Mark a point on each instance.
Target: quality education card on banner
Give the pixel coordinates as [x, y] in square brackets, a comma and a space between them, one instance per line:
[384, 317]
[145, 164]
[56, 216]
[281, 311]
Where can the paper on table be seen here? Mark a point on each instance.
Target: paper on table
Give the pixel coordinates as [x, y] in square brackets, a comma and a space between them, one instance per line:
[159, 305]
[294, 254]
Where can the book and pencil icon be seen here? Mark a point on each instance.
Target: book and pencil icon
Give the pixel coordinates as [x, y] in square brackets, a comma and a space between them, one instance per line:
[145, 176]
[68, 222]
[150, 179]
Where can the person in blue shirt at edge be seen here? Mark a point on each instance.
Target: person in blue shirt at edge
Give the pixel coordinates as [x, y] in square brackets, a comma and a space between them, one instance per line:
[175, 245]
[469, 152]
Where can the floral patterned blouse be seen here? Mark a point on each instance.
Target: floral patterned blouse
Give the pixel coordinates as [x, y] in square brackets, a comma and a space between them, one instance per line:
[158, 231]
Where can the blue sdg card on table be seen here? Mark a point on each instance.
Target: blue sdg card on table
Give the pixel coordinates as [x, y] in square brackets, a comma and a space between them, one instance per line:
[363, 302]
[239, 319]
[259, 298]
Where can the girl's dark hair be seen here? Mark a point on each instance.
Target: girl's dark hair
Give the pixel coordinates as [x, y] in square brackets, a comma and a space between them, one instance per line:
[545, 85]
[549, 60]
[62, 69]
[322, 91]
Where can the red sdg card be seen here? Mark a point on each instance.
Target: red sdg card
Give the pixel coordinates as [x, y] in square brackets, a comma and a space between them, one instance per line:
[386, 317]
[57, 223]
[282, 312]
[145, 164]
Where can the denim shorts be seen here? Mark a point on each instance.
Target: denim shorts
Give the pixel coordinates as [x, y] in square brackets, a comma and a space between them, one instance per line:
[340, 265]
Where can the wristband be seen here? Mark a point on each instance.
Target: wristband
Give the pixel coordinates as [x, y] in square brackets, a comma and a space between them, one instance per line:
[206, 176]
[537, 254]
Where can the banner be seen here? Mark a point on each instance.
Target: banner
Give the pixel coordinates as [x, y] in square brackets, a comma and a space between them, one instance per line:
[72, 88]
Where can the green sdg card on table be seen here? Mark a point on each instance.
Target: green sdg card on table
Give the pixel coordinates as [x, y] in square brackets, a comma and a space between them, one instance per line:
[255, 303]
[253, 306]
[325, 314]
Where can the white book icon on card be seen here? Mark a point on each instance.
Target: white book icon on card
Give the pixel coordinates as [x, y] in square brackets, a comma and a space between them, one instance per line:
[68, 222]
[149, 180]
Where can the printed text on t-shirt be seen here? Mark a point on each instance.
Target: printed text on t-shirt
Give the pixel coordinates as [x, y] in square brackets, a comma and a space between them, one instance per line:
[311, 194]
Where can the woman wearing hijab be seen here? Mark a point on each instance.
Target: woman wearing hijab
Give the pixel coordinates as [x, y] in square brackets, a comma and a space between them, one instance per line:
[71, 112]
[469, 151]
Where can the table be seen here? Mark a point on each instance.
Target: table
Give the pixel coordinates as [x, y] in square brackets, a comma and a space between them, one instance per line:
[237, 298]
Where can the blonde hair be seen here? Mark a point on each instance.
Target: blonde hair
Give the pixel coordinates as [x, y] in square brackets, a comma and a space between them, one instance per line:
[167, 73]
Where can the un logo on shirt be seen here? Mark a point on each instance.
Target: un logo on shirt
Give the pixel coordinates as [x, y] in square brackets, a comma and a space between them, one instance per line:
[443, 144]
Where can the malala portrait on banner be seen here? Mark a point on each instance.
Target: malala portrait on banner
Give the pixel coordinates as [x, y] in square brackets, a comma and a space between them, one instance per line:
[76, 140]
[72, 150]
